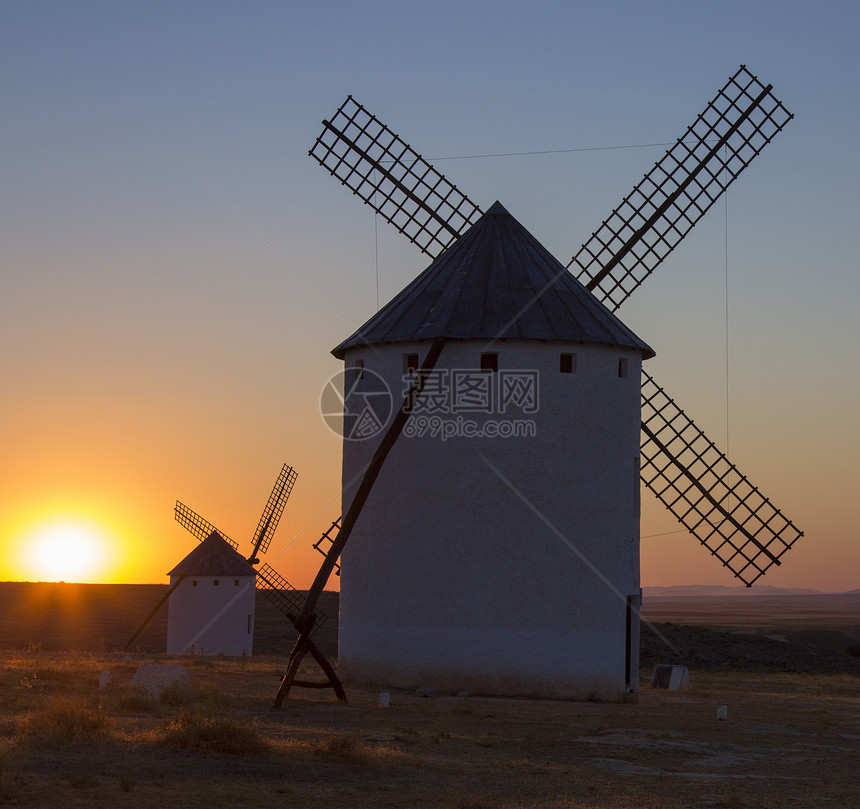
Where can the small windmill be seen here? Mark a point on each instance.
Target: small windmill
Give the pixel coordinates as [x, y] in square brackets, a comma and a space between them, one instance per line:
[274, 586]
[203, 530]
[702, 488]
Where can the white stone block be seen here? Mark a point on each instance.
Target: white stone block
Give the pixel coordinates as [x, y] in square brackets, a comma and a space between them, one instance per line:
[680, 679]
[155, 678]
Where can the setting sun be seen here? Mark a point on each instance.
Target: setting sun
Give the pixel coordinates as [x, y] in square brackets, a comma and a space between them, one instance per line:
[71, 550]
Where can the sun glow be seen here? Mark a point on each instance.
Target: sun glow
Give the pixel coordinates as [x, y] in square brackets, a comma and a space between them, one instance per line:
[66, 549]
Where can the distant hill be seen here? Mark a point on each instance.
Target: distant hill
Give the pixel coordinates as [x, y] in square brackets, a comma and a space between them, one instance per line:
[692, 590]
[778, 630]
[52, 616]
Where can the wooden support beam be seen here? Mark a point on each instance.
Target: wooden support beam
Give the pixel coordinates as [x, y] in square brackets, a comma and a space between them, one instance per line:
[304, 622]
[154, 612]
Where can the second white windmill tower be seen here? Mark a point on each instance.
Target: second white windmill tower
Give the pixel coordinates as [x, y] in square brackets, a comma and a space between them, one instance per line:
[212, 590]
[211, 606]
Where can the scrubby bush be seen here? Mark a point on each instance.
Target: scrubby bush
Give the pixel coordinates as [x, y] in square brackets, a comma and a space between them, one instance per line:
[63, 720]
[212, 734]
[344, 746]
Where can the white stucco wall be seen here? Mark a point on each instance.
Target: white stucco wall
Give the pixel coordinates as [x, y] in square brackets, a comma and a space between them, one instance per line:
[209, 619]
[453, 580]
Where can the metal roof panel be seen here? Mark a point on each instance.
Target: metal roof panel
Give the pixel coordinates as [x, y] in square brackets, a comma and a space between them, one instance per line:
[213, 557]
[495, 282]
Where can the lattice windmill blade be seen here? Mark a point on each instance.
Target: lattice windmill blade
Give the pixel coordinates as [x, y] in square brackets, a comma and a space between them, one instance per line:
[196, 525]
[706, 492]
[283, 595]
[391, 177]
[661, 210]
[272, 512]
[328, 539]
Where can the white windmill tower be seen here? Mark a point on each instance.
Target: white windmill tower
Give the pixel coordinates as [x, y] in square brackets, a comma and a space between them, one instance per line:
[213, 589]
[538, 383]
[211, 606]
[446, 533]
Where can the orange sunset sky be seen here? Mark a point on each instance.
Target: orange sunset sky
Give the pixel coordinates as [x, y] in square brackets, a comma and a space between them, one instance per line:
[176, 269]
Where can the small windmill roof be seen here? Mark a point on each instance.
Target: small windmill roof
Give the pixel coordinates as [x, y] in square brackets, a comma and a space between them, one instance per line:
[213, 557]
[495, 282]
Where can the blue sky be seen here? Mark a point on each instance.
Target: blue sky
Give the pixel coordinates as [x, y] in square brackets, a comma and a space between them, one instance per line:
[160, 221]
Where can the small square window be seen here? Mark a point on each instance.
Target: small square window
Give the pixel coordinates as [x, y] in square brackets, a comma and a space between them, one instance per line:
[567, 363]
[353, 373]
[490, 362]
[622, 367]
[216, 583]
[235, 582]
[194, 582]
[410, 364]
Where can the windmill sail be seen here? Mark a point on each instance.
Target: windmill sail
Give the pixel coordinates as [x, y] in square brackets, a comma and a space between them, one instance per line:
[196, 525]
[283, 595]
[272, 512]
[679, 190]
[385, 172]
[328, 538]
[278, 590]
[706, 492]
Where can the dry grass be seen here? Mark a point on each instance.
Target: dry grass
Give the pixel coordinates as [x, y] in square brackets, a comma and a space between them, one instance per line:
[203, 698]
[12, 759]
[63, 720]
[790, 740]
[338, 747]
[208, 734]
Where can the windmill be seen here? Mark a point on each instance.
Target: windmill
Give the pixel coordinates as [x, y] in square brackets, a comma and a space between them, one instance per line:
[274, 586]
[203, 530]
[700, 486]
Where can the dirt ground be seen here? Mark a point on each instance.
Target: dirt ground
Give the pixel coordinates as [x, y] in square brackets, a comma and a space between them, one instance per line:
[789, 740]
[791, 737]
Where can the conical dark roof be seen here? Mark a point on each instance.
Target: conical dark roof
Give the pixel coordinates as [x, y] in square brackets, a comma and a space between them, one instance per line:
[213, 557]
[495, 282]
